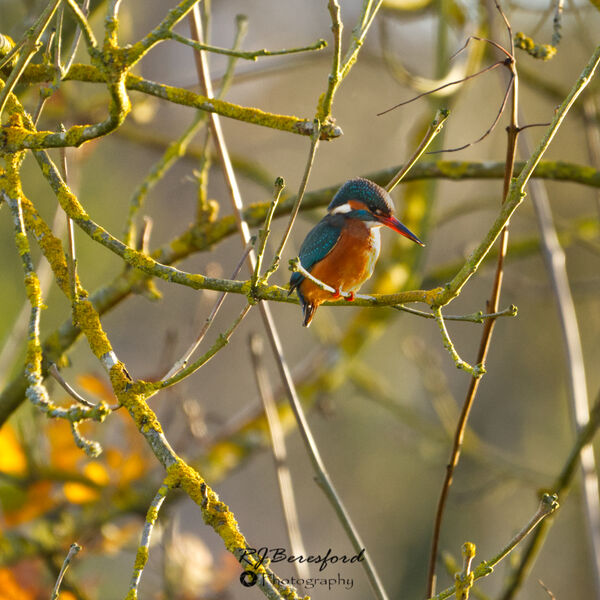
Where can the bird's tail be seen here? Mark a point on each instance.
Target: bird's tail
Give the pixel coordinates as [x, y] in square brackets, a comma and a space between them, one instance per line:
[309, 312]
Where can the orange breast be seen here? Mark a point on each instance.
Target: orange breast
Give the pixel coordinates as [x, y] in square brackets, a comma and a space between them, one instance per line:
[348, 265]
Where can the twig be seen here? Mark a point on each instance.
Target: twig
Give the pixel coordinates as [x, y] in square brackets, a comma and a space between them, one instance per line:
[547, 506]
[476, 371]
[178, 148]
[44, 273]
[294, 213]
[490, 128]
[263, 234]
[179, 372]
[434, 129]
[143, 550]
[341, 67]
[71, 256]
[83, 27]
[53, 370]
[547, 590]
[182, 362]
[73, 550]
[561, 485]
[27, 50]
[464, 580]
[441, 87]
[90, 447]
[54, 47]
[248, 55]
[321, 474]
[73, 51]
[284, 477]
[452, 568]
[36, 390]
[488, 327]
[478, 317]
[334, 76]
[555, 262]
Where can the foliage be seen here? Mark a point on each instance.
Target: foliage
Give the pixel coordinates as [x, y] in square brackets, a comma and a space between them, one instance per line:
[92, 452]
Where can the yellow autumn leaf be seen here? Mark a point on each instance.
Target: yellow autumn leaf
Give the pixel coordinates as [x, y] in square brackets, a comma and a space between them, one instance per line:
[64, 453]
[96, 471]
[12, 457]
[79, 493]
[127, 468]
[10, 589]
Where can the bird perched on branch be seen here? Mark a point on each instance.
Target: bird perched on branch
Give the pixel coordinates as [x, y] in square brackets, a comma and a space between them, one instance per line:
[343, 247]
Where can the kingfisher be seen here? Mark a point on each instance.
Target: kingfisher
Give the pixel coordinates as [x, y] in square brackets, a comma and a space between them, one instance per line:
[342, 248]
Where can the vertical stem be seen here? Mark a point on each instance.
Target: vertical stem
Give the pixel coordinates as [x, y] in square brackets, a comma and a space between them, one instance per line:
[284, 477]
[486, 337]
[321, 474]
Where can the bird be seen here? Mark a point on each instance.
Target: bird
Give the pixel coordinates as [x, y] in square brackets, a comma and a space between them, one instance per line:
[342, 248]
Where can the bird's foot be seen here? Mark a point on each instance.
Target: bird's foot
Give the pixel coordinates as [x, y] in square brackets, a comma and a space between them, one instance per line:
[349, 297]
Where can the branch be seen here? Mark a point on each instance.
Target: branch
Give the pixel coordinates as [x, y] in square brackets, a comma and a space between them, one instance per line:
[27, 49]
[548, 505]
[73, 550]
[247, 55]
[516, 193]
[141, 557]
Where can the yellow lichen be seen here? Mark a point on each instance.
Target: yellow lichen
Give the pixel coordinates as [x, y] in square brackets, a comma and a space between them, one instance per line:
[138, 259]
[88, 321]
[130, 397]
[33, 291]
[21, 243]
[141, 558]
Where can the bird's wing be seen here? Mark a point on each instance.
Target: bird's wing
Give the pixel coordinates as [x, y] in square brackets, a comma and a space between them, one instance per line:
[319, 242]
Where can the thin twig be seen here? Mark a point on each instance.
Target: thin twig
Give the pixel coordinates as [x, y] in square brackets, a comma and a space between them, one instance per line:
[488, 328]
[44, 273]
[263, 234]
[248, 55]
[180, 373]
[303, 183]
[434, 129]
[476, 371]
[71, 255]
[321, 474]
[73, 550]
[489, 129]
[92, 448]
[547, 506]
[183, 361]
[478, 317]
[441, 87]
[144, 548]
[464, 580]
[27, 50]
[555, 262]
[284, 477]
[73, 51]
[53, 370]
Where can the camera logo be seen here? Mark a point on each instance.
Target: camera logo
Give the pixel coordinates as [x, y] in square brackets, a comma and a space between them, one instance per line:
[248, 578]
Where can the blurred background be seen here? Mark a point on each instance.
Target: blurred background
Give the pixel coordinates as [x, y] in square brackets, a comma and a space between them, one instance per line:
[382, 394]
